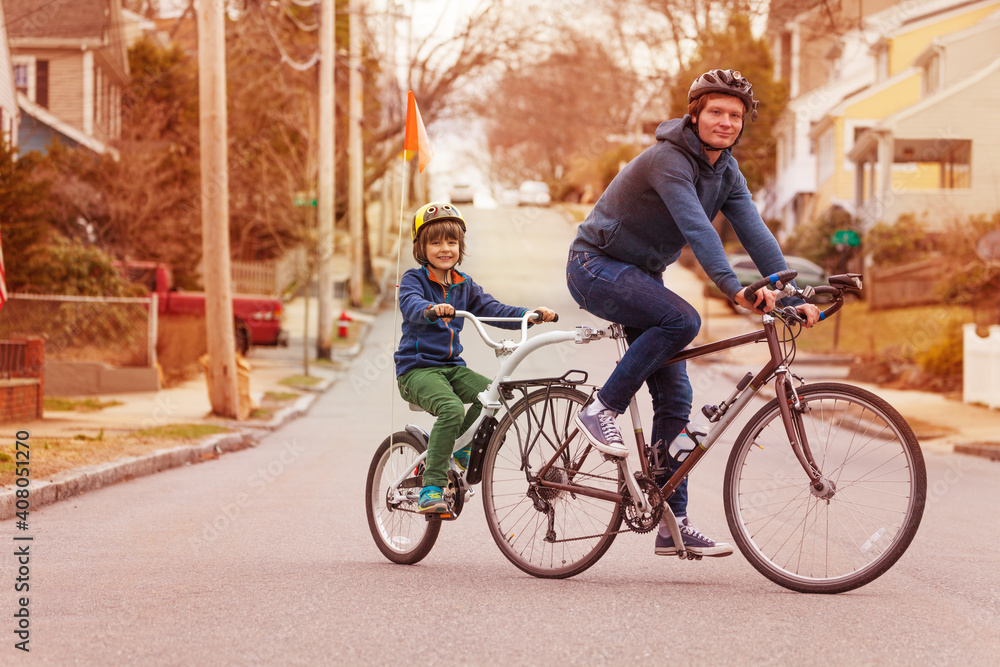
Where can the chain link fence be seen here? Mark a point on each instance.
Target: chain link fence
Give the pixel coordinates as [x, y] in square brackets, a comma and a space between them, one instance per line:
[120, 331]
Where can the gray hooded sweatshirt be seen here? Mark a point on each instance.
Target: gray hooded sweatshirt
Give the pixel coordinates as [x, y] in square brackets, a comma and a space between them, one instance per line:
[666, 198]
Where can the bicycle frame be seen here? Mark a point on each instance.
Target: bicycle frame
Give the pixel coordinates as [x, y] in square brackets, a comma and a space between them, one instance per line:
[727, 413]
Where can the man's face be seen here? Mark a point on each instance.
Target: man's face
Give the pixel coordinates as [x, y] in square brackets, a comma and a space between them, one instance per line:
[720, 121]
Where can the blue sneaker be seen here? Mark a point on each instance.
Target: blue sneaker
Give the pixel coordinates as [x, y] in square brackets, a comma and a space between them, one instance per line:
[432, 501]
[602, 431]
[694, 541]
[462, 457]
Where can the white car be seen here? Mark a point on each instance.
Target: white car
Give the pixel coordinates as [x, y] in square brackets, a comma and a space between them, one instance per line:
[533, 193]
[461, 193]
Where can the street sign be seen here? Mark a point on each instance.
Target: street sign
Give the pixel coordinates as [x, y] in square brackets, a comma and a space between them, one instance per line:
[846, 237]
[304, 199]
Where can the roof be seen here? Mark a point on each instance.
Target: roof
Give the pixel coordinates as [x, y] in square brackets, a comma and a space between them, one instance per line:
[56, 18]
[47, 119]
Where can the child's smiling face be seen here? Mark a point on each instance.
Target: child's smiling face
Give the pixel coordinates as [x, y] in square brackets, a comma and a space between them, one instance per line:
[443, 253]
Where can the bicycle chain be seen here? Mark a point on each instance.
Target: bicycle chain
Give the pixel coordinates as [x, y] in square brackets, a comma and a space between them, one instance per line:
[655, 499]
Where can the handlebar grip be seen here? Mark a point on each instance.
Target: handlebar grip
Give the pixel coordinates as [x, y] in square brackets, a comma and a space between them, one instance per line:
[555, 317]
[783, 277]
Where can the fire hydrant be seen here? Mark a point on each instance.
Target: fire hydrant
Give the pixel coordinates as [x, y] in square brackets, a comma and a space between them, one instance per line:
[343, 324]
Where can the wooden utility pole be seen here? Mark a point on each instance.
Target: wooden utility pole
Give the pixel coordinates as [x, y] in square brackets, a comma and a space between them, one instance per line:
[326, 197]
[222, 381]
[355, 193]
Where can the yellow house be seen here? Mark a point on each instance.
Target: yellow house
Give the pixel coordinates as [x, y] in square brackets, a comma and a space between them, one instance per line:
[899, 86]
[850, 67]
[936, 157]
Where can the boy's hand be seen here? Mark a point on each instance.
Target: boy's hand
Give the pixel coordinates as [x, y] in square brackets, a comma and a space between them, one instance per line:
[444, 311]
[547, 314]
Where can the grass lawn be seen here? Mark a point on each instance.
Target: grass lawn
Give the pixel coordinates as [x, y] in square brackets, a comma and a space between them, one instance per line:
[51, 456]
[899, 331]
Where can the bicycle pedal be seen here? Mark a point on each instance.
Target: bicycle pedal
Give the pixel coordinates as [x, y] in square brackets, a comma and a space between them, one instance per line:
[441, 517]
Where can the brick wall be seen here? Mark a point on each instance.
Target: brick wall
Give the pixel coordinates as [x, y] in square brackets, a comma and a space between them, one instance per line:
[21, 396]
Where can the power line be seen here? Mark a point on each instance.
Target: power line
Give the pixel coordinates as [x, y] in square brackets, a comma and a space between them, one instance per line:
[285, 58]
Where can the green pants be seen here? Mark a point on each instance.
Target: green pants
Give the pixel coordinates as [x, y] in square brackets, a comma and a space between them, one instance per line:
[443, 391]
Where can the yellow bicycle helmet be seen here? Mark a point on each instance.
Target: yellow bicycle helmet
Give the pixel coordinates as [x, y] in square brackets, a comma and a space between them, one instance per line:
[434, 212]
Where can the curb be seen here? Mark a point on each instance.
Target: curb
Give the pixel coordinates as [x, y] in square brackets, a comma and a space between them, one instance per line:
[989, 451]
[74, 482]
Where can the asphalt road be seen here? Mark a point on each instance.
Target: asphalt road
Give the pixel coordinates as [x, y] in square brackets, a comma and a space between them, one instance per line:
[264, 556]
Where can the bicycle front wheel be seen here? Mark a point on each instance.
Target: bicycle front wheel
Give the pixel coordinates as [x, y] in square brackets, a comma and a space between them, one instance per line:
[847, 534]
[546, 532]
[401, 534]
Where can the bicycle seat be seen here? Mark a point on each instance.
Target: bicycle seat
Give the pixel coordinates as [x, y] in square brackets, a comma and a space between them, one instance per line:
[416, 408]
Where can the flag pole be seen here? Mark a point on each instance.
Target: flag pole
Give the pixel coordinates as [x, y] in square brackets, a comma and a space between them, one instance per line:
[395, 299]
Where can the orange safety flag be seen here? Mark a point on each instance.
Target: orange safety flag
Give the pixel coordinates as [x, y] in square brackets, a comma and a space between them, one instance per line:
[416, 134]
[3, 279]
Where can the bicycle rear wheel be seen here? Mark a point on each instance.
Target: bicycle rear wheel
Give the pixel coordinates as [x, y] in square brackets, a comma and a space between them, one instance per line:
[401, 534]
[547, 532]
[860, 526]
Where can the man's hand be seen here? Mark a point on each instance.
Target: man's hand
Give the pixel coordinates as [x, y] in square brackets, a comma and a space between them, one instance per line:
[810, 312]
[444, 311]
[547, 314]
[763, 300]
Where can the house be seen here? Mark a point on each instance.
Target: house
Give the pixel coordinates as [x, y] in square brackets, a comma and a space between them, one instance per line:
[848, 71]
[937, 155]
[8, 95]
[70, 67]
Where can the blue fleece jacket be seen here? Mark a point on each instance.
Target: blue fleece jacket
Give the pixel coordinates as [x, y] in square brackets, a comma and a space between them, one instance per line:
[666, 198]
[425, 344]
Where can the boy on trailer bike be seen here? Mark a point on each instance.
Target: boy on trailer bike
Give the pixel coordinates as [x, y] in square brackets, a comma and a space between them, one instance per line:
[662, 200]
[429, 369]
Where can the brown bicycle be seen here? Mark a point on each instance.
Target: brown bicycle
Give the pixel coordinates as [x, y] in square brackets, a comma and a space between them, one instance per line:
[823, 492]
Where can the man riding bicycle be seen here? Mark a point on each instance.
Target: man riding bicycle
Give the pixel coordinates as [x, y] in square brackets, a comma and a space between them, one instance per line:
[662, 200]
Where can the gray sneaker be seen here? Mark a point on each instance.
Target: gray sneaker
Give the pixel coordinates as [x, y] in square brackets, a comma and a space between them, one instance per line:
[694, 541]
[602, 431]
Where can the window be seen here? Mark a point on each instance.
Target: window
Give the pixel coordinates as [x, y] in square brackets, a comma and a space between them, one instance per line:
[42, 83]
[825, 156]
[931, 77]
[21, 77]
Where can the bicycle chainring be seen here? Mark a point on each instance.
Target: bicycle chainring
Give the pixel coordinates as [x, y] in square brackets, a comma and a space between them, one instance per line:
[643, 524]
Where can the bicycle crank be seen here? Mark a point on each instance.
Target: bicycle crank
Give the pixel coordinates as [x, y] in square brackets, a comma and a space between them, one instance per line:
[643, 522]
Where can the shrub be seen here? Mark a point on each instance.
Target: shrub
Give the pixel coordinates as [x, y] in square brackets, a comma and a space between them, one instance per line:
[906, 240]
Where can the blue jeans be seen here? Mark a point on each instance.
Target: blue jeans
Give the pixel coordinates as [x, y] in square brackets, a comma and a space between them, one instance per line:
[658, 324]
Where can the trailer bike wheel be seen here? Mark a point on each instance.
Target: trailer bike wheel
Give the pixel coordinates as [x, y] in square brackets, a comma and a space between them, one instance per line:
[547, 532]
[847, 533]
[401, 534]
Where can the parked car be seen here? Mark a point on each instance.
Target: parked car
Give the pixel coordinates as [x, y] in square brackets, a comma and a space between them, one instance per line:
[533, 193]
[257, 317]
[461, 193]
[747, 273]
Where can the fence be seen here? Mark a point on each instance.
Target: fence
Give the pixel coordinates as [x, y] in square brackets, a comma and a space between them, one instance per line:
[273, 276]
[908, 285]
[981, 366]
[119, 331]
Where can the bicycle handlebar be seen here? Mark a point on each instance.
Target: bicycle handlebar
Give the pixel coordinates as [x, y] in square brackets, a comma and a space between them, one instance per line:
[478, 323]
[838, 285]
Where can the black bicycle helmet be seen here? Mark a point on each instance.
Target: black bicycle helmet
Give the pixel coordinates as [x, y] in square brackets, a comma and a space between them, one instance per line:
[434, 212]
[727, 82]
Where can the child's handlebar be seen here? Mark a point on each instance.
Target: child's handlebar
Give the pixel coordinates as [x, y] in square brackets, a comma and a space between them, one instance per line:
[478, 323]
